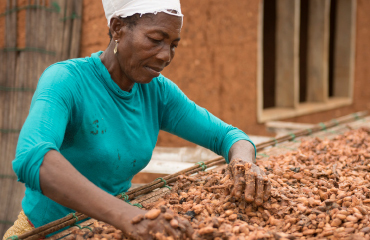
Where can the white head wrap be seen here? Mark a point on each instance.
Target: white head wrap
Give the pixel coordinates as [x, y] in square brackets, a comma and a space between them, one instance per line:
[126, 8]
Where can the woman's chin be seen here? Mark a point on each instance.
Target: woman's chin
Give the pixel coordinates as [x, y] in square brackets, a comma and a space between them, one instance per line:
[145, 80]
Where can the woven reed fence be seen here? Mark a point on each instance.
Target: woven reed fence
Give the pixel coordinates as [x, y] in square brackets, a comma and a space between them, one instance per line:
[52, 33]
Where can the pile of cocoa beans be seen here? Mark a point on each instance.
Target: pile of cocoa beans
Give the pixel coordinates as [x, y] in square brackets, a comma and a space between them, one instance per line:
[320, 191]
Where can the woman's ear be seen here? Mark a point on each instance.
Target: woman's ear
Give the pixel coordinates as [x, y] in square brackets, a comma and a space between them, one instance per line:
[116, 27]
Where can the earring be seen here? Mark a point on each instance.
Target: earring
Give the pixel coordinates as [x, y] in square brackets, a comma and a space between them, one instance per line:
[115, 48]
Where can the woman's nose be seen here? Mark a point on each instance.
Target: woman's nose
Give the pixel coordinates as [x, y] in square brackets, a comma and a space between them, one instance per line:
[165, 54]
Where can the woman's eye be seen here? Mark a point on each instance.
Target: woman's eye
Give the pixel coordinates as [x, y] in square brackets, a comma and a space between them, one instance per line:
[155, 40]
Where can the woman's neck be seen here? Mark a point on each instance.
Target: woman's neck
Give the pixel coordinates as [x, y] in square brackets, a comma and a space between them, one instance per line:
[111, 63]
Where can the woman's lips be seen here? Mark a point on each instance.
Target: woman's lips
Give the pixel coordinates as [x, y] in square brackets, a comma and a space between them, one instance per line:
[154, 71]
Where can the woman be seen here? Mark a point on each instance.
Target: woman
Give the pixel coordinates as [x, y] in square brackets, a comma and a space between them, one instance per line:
[94, 122]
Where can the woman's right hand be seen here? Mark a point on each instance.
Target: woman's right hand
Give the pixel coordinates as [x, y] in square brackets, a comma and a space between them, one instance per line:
[62, 183]
[156, 224]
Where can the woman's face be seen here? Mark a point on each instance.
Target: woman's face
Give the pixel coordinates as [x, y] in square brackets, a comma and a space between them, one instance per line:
[149, 46]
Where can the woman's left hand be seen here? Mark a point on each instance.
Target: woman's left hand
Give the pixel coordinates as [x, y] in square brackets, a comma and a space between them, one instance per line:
[249, 180]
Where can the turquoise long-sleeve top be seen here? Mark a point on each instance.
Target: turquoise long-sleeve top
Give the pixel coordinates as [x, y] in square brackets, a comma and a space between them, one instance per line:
[107, 134]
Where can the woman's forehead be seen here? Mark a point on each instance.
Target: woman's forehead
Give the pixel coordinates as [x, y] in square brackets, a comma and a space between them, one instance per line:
[163, 23]
[160, 18]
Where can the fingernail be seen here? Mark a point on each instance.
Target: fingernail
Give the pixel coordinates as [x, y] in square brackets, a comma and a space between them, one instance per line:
[249, 198]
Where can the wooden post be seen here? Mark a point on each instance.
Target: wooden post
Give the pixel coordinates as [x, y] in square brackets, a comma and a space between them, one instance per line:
[55, 33]
[41, 41]
[318, 50]
[287, 53]
[76, 29]
[260, 63]
[344, 48]
[67, 26]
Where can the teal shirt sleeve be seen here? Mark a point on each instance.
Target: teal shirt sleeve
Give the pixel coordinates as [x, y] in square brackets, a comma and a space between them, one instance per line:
[45, 125]
[184, 118]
